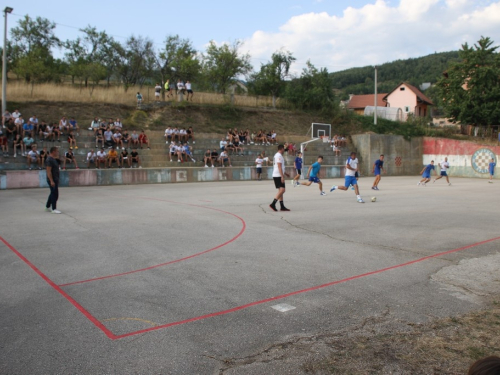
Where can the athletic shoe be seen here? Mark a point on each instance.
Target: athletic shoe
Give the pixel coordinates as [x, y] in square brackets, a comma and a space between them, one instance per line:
[323, 193]
[213, 166]
[376, 187]
[332, 189]
[360, 200]
[490, 181]
[284, 209]
[30, 168]
[206, 166]
[15, 155]
[293, 183]
[433, 181]
[297, 184]
[71, 148]
[449, 184]
[373, 188]
[39, 168]
[55, 212]
[47, 209]
[418, 183]
[273, 207]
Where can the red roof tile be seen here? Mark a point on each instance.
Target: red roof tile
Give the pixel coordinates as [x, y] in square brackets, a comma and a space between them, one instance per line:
[362, 101]
[416, 91]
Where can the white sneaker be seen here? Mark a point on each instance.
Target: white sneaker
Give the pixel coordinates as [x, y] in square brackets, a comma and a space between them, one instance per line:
[490, 181]
[140, 166]
[323, 193]
[206, 166]
[194, 142]
[449, 184]
[360, 200]
[55, 212]
[293, 183]
[418, 183]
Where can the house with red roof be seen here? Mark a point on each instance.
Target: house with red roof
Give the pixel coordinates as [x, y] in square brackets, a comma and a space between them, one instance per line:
[410, 99]
[358, 103]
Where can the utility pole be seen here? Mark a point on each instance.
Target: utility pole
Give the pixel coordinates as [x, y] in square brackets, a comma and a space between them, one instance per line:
[4, 62]
[375, 112]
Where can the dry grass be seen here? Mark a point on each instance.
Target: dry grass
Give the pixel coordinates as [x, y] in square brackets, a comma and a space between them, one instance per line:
[49, 92]
[446, 346]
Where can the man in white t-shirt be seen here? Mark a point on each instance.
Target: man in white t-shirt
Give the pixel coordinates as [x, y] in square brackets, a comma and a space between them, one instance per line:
[279, 178]
[223, 144]
[91, 158]
[351, 167]
[34, 158]
[258, 163]
[168, 135]
[444, 165]
[102, 157]
[157, 92]
[224, 158]
[189, 90]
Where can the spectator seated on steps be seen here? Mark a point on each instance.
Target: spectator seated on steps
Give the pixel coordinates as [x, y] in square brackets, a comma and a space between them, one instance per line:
[63, 125]
[124, 158]
[102, 158]
[182, 135]
[190, 135]
[70, 158]
[73, 125]
[126, 138]
[223, 144]
[113, 158]
[18, 143]
[28, 141]
[188, 152]
[134, 140]
[99, 137]
[118, 125]
[43, 155]
[207, 158]
[94, 125]
[134, 158]
[4, 143]
[168, 135]
[117, 139]
[260, 137]
[34, 158]
[224, 158]
[144, 140]
[175, 135]
[72, 141]
[215, 156]
[237, 148]
[108, 138]
[91, 158]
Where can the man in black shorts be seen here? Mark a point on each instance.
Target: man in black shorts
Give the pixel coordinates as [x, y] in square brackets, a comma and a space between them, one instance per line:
[215, 156]
[207, 158]
[124, 158]
[53, 180]
[279, 178]
[134, 158]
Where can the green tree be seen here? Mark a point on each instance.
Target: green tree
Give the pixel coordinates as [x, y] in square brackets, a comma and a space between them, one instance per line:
[222, 65]
[271, 77]
[31, 43]
[135, 61]
[470, 90]
[178, 60]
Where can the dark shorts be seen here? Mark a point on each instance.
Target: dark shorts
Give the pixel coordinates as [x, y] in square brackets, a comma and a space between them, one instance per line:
[259, 170]
[316, 180]
[356, 175]
[190, 91]
[299, 171]
[278, 183]
[443, 173]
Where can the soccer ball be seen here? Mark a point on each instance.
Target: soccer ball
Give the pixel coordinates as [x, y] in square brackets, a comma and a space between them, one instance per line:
[374, 199]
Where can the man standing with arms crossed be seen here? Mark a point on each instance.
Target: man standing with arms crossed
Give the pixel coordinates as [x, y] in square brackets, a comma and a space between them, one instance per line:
[378, 167]
[279, 178]
[53, 180]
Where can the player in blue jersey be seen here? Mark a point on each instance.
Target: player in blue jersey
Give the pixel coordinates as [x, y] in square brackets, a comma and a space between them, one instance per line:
[426, 173]
[312, 173]
[491, 169]
[378, 168]
[351, 167]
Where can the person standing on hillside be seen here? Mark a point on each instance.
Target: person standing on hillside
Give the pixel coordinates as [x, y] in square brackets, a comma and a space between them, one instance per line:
[53, 180]
[378, 168]
[444, 165]
[157, 92]
[279, 178]
[189, 90]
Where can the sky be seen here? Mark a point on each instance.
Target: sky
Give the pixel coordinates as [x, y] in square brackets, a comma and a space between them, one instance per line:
[332, 34]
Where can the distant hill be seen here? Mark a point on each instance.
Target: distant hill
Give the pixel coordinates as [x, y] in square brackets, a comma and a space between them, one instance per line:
[415, 71]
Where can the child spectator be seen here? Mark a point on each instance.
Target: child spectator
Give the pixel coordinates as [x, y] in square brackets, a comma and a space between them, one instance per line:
[187, 152]
[69, 158]
[258, 163]
[190, 134]
[143, 139]
[139, 98]
[34, 158]
[99, 137]
[72, 141]
[173, 150]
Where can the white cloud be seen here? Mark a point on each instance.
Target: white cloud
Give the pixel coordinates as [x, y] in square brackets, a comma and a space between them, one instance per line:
[379, 32]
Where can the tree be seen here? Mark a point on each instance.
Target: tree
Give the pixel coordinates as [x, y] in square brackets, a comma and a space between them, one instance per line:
[313, 90]
[177, 60]
[135, 61]
[470, 89]
[272, 76]
[222, 65]
[32, 42]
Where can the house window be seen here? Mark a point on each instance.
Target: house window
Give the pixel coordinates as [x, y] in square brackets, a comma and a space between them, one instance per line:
[401, 89]
[407, 109]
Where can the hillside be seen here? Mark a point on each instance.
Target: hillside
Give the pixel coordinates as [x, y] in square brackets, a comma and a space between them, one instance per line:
[415, 71]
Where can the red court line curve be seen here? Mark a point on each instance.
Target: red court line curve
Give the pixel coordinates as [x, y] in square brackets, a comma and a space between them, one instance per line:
[79, 307]
[243, 228]
[255, 303]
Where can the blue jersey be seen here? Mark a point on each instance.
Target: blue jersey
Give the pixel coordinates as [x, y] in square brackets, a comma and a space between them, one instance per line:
[428, 169]
[491, 167]
[315, 169]
[298, 163]
[378, 165]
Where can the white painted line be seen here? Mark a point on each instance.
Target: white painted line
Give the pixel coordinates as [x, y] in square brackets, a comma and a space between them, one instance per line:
[283, 307]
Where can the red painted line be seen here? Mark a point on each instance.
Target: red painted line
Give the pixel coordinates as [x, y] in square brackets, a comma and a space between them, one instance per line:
[243, 228]
[255, 303]
[79, 307]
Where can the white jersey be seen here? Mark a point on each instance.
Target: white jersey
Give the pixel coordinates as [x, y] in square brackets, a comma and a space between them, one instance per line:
[353, 163]
[91, 156]
[444, 166]
[259, 162]
[278, 159]
[15, 115]
[101, 154]
[188, 85]
[33, 155]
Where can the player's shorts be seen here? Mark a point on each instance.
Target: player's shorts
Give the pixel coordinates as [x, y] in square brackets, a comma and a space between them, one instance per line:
[350, 180]
[443, 173]
[356, 175]
[376, 172]
[259, 170]
[426, 175]
[492, 173]
[190, 91]
[316, 180]
[299, 172]
[278, 183]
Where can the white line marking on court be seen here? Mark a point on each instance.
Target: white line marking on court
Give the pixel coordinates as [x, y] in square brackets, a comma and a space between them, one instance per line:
[283, 307]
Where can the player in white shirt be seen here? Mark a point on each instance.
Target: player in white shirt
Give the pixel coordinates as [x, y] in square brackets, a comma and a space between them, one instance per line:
[444, 165]
[279, 178]
[351, 168]
[258, 163]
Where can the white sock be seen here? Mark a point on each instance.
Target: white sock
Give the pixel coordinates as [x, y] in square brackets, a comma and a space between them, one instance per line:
[359, 196]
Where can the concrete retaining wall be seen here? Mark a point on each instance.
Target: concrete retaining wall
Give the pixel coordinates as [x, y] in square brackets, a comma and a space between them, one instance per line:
[104, 177]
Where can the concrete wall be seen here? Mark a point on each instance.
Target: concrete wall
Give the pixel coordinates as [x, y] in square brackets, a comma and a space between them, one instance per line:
[402, 157]
[93, 177]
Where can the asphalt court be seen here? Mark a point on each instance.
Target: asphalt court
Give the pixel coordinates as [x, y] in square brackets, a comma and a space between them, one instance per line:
[145, 259]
